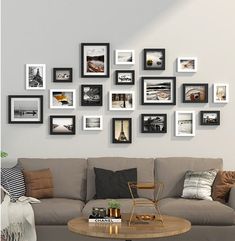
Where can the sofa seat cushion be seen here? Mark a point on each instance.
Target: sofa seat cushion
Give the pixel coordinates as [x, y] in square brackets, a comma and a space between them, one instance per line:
[198, 212]
[56, 211]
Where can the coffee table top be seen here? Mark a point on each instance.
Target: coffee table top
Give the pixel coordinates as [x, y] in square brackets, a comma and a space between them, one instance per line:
[172, 226]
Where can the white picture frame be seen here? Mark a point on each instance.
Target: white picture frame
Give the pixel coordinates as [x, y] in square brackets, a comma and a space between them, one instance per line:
[221, 93]
[124, 57]
[187, 64]
[35, 76]
[185, 123]
[62, 98]
[93, 123]
[122, 100]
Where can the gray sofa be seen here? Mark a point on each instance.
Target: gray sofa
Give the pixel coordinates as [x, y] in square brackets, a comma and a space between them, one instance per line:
[74, 189]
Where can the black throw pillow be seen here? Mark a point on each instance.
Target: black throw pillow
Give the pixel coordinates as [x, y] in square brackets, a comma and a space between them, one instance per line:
[110, 184]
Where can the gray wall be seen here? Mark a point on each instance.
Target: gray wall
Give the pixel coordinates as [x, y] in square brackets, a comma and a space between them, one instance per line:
[50, 31]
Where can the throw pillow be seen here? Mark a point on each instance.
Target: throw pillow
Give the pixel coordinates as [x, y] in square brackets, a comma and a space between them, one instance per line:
[197, 185]
[222, 185]
[39, 184]
[110, 184]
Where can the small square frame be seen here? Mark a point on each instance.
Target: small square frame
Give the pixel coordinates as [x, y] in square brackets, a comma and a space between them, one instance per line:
[118, 62]
[132, 72]
[73, 106]
[164, 130]
[70, 79]
[100, 103]
[121, 92]
[210, 122]
[195, 97]
[182, 70]
[177, 132]
[85, 117]
[73, 129]
[162, 67]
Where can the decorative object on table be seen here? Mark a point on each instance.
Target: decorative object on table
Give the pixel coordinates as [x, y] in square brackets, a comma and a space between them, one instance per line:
[62, 98]
[95, 60]
[92, 123]
[25, 109]
[153, 123]
[124, 57]
[158, 90]
[122, 130]
[62, 75]
[125, 77]
[221, 93]
[114, 209]
[99, 212]
[62, 124]
[210, 118]
[185, 123]
[195, 93]
[187, 64]
[154, 59]
[121, 100]
[3, 154]
[35, 76]
[91, 95]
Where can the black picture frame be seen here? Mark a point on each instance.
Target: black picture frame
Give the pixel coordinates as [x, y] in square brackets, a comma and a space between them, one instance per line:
[106, 61]
[127, 139]
[69, 79]
[94, 101]
[149, 63]
[210, 121]
[161, 80]
[118, 72]
[70, 130]
[154, 125]
[194, 95]
[23, 111]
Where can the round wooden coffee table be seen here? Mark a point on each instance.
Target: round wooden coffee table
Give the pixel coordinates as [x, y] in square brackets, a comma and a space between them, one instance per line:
[172, 226]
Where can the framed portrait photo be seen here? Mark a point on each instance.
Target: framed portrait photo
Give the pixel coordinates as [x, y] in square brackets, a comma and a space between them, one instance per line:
[187, 64]
[153, 123]
[210, 118]
[185, 123]
[62, 75]
[92, 123]
[122, 130]
[95, 60]
[124, 57]
[121, 100]
[62, 124]
[25, 109]
[195, 93]
[62, 98]
[221, 93]
[35, 77]
[154, 59]
[125, 77]
[91, 95]
[158, 90]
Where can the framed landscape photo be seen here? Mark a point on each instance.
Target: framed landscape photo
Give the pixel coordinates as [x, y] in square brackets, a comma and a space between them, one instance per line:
[187, 64]
[91, 95]
[25, 109]
[62, 124]
[124, 57]
[95, 60]
[195, 93]
[35, 76]
[158, 90]
[210, 118]
[121, 100]
[221, 93]
[154, 59]
[153, 123]
[185, 123]
[92, 123]
[62, 75]
[62, 98]
[122, 130]
[125, 77]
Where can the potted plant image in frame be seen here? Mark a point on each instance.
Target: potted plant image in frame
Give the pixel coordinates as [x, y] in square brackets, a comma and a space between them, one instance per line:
[154, 59]
[62, 98]
[195, 93]
[122, 130]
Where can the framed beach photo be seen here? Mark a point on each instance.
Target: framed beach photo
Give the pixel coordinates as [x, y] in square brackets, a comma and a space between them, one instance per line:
[185, 123]
[154, 59]
[62, 98]
[187, 64]
[221, 93]
[124, 57]
[125, 77]
[195, 93]
[25, 109]
[153, 123]
[122, 130]
[91, 95]
[92, 123]
[95, 60]
[35, 77]
[210, 118]
[158, 90]
[62, 124]
[121, 100]
[62, 75]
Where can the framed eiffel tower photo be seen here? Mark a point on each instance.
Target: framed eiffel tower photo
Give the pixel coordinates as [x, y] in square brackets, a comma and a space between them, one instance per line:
[122, 130]
[35, 77]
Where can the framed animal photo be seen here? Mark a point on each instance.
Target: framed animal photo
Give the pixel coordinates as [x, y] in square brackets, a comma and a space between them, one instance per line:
[125, 77]
[221, 93]
[91, 95]
[124, 57]
[62, 75]
[154, 59]
[210, 118]
[62, 98]
[122, 130]
[153, 123]
[92, 123]
[62, 124]
[187, 64]
[121, 100]
[185, 123]
[195, 93]
[35, 77]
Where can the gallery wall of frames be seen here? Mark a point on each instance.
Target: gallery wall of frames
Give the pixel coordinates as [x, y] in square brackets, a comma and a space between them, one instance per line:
[155, 89]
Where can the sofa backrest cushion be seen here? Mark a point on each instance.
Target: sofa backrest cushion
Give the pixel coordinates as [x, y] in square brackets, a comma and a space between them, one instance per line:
[69, 174]
[171, 171]
[145, 171]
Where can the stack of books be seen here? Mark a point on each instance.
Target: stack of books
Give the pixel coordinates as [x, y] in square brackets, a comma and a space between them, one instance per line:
[93, 219]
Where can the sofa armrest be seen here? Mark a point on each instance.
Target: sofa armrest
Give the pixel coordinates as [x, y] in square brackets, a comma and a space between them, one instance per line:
[231, 200]
[2, 195]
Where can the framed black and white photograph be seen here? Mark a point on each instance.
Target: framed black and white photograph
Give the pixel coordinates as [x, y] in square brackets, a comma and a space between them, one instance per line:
[62, 124]
[25, 109]
[195, 93]
[158, 90]
[210, 118]
[124, 57]
[122, 130]
[185, 123]
[92, 123]
[95, 60]
[62, 75]
[187, 64]
[91, 95]
[121, 100]
[125, 77]
[62, 98]
[153, 123]
[35, 76]
[154, 59]
[221, 93]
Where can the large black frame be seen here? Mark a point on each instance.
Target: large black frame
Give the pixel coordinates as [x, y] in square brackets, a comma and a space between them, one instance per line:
[117, 72]
[129, 130]
[195, 98]
[154, 115]
[63, 69]
[217, 123]
[73, 117]
[163, 51]
[83, 102]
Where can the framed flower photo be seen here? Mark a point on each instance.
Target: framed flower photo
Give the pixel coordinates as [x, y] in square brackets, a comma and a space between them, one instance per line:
[35, 77]
[122, 130]
[185, 123]
[121, 100]
[154, 59]
[62, 98]
[210, 118]
[153, 123]
[221, 93]
[62, 75]
[195, 93]
[62, 124]
[124, 57]
[187, 64]
[92, 123]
